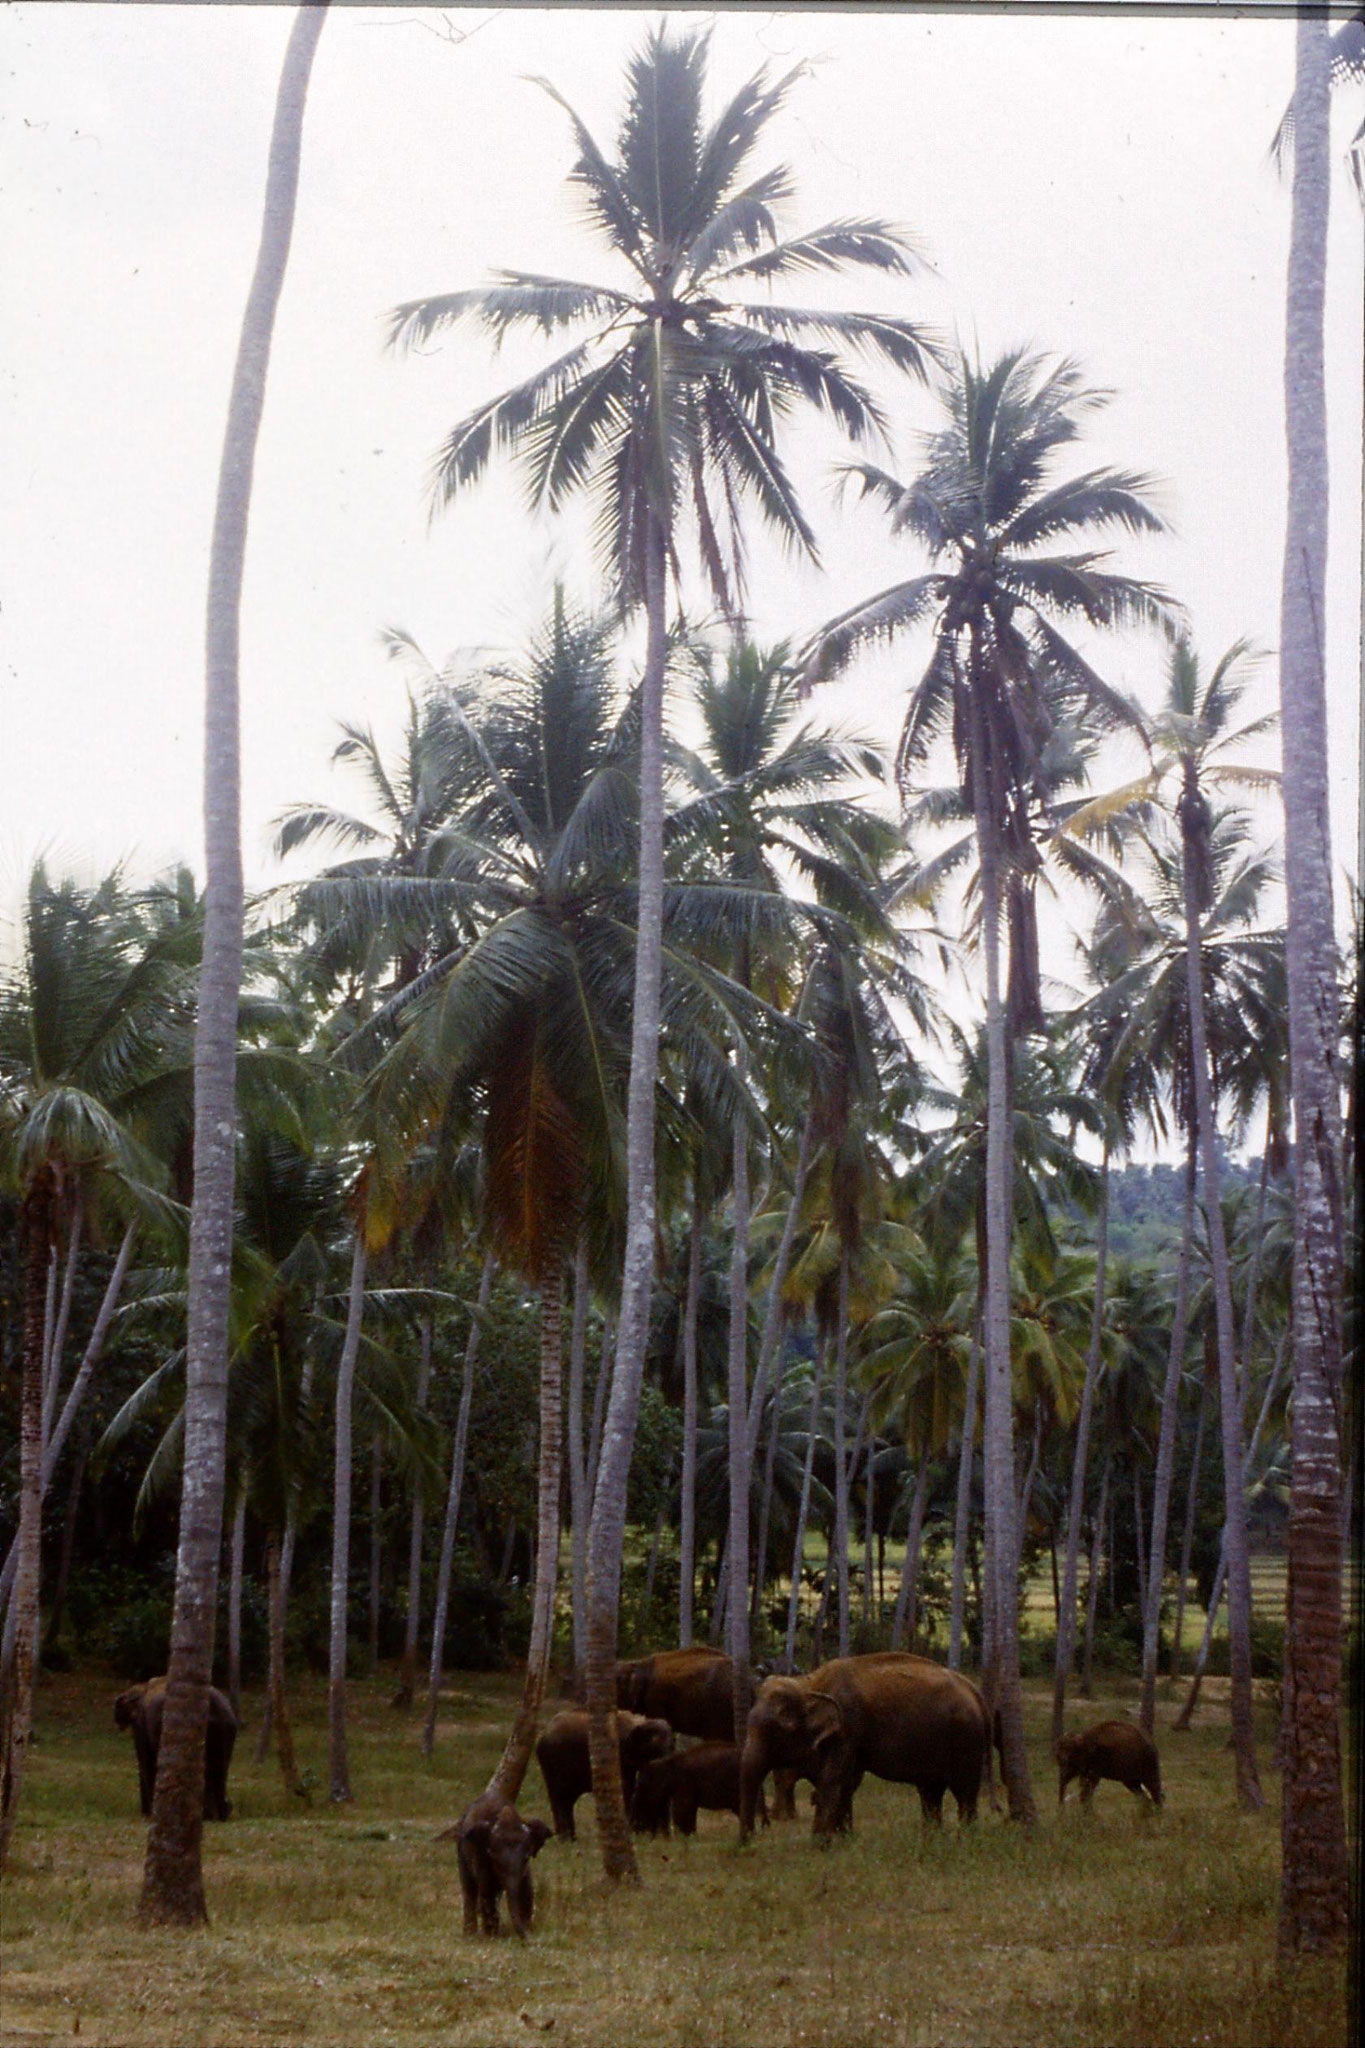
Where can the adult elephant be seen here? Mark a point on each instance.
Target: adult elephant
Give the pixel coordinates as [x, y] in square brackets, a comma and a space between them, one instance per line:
[693, 1690]
[898, 1716]
[562, 1753]
[142, 1709]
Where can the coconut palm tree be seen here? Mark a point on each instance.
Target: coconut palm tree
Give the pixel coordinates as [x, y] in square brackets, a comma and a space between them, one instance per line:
[90, 1021]
[173, 1885]
[990, 508]
[1314, 1897]
[667, 409]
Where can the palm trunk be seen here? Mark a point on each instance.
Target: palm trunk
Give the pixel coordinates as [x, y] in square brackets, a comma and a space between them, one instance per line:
[338, 1764]
[173, 1883]
[799, 1544]
[1138, 1523]
[1249, 1792]
[839, 1561]
[1030, 1479]
[286, 1562]
[869, 1512]
[1186, 1714]
[687, 1506]
[279, 1698]
[1092, 1593]
[1066, 1619]
[17, 1713]
[1000, 1682]
[737, 1395]
[512, 1767]
[772, 1315]
[578, 1470]
[452, 1516]
[1187, 1539]
[765, 1510]
[607, 1533]
[376, 1545]
[599, 1406]
[54, 1363]
[1165, 1458]
[235, 1605]
[907, 1599]
[962, 1514]
[52, 1632]
[1314, 1895]
[55, 1442]
[656, 1541]
[407, 1669]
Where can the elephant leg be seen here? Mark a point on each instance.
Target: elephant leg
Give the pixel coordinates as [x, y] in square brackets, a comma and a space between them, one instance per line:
[931, 1804]
[966, 1804]
[1088, 1786]
[489, 1890]
[146, 1769]
[469, 1891]
[521, 1905]
[562, 1811]
[685, 1810]
[784, 1795]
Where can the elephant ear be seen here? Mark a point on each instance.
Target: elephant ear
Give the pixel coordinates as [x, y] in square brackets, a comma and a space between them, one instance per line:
[124, 1705]
[824, 1720]
[539, 1834]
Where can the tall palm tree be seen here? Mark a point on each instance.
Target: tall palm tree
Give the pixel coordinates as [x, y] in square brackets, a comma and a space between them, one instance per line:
[671, 402]
[89, 1022]
[1314, 1896]
[173, 1884]
[990, 508]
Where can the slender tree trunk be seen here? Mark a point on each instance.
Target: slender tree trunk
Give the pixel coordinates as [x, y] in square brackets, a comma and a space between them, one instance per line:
[769, 1470]
[376, 1547]
[407, 1670]
[1249, 1792]
[1092, 1592]
[962, 1514]
[687, 1505]
[1314, 1894]
[1165, 1457]
[904, 1620]
[279, 1698]
[339, 1773]
[1030, 1479]
[235, 1605]
[799, 1544]
[609, 1505]
[1001, 1682]
[656, 1540]
[63, 1322]
[772, 1314]
[516, 1756]
[17, 1714]
[1066, 1619]
[839, 1561]
[68, 1550]
[1138, 1524]
[869, 1512]
[1191, 1504]
[55, 1442]
[578, 1469]
[452, 1515]
[173, 1884]
[599, 1408]
[54, 1267]
[291, 1520]
[737, 1395]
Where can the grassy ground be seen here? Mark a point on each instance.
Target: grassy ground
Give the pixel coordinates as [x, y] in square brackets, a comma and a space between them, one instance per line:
[1113, 1929]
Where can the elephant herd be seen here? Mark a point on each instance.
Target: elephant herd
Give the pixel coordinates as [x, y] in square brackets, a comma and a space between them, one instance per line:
[898, 1716]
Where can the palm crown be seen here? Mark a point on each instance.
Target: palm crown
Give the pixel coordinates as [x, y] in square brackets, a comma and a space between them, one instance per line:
[674, 395]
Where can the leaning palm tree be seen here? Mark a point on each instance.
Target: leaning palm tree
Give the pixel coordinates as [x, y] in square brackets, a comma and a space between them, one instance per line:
[670, 405]
[991, 510]
[1314, 1897]
[173, 1883]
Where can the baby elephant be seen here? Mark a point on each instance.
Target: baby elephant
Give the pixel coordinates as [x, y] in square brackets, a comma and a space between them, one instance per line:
[705, 1776]
[142, 1709]
[495, 1848]
[1111, 1749]
[562, 1753]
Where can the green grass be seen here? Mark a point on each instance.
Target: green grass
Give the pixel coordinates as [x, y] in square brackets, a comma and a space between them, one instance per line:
[1116, 1928]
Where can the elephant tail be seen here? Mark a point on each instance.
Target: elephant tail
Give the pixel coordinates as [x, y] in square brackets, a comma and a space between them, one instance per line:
[449, 1834]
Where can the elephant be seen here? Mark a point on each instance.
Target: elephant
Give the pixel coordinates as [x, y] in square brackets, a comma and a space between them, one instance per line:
[1111, 1749]
[677, 1786]
[496, 1848]
[693, 1690]
[901, 1717]
[562, 1753]
[142, 1709]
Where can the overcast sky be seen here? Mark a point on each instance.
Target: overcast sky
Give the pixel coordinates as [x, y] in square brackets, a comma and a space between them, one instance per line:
[1098, 187]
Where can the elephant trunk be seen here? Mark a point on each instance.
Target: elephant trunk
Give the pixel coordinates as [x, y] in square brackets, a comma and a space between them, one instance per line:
[753, 1770]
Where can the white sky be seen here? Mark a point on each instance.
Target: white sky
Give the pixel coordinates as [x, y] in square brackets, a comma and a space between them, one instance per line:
[1095, 186]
